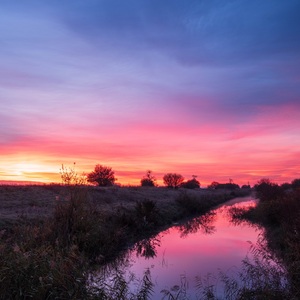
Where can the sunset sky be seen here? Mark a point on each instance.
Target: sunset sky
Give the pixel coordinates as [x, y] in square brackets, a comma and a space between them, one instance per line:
[208, 88]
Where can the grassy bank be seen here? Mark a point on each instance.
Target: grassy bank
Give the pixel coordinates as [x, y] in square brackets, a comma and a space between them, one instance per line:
[51, 236]
[278, 212]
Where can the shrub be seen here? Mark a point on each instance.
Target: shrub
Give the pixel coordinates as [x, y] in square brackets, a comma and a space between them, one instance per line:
[146, 212]
[191, 184]
[148, 179]
[267, 190]
[70, 177]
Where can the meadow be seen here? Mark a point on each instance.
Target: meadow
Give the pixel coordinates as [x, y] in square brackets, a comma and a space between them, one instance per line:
[53, 236]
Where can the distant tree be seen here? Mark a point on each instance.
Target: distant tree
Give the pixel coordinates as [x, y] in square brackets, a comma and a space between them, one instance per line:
[246, 186]
[192, 183]
[229, 186]
[296, 184]
[213, 185]
[286, 186]
[148, 179]
[173, 180]
[223, 186]
[267, 190]
[102, 175]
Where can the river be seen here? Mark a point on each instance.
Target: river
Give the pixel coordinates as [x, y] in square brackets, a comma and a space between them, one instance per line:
[176, 258]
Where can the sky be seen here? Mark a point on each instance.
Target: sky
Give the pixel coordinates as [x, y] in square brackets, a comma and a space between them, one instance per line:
[208, 88]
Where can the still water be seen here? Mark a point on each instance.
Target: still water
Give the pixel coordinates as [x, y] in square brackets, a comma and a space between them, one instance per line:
[196, 248]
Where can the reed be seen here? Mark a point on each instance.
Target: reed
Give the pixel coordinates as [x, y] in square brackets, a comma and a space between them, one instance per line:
[280, 216]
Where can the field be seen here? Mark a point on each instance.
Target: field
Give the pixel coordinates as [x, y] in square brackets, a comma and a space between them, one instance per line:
[52, 236]
[39, 201]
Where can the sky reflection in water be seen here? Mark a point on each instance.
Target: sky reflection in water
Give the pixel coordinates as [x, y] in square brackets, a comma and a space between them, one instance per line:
[200, 246]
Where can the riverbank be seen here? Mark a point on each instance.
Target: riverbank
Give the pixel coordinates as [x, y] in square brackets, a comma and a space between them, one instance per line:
[278, 212]
[51, 235]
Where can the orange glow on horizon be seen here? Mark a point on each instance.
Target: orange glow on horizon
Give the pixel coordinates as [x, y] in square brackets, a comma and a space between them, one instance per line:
[243, 154]
[47, 170]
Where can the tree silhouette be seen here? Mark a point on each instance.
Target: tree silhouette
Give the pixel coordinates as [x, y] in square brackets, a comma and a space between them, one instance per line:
[173, 180]
[191, 184]
[296, 183]
[267, 190]
[148, 179]
[102, 175]
[223, 186]
[213, 185]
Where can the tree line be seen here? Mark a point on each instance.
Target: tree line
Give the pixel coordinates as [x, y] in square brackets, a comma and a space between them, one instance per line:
[104, 176]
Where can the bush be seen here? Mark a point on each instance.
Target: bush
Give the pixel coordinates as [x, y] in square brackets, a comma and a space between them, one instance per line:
[267, 190]
[191, 184]
[146, 212]
[148, 179]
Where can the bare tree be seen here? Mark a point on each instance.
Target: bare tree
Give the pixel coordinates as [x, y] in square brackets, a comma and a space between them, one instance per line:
[173, 180]
[70, 177]
[102, 175]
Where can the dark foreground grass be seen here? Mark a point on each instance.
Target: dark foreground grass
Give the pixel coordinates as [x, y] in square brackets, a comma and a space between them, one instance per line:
[279, 215]
[50, 255]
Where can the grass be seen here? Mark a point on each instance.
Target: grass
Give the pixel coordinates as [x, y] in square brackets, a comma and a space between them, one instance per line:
[53, 236]
[280, 217]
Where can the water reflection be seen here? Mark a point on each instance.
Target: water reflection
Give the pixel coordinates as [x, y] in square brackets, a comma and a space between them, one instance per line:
[203, 224]
[200, 246]
[147, 247]
[261, 277]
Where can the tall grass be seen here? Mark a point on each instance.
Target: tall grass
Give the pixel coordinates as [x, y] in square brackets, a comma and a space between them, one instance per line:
[51, 257]
[280, 216]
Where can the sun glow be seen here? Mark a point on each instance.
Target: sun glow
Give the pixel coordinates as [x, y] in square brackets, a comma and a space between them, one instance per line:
[24, 167]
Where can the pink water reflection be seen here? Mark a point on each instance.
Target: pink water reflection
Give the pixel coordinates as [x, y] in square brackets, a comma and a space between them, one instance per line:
[198, 253]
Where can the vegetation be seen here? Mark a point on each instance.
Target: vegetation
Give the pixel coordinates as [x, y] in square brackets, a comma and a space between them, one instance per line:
[258, 279]
[227, 186]
[191, 184]
[52, 236]
[102, 175]
[69, 176]
[278, 211]
[173, 180]
[55, 235]
[148, 179]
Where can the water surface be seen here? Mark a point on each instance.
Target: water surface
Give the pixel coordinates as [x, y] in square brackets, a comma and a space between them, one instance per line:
[197, 247]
